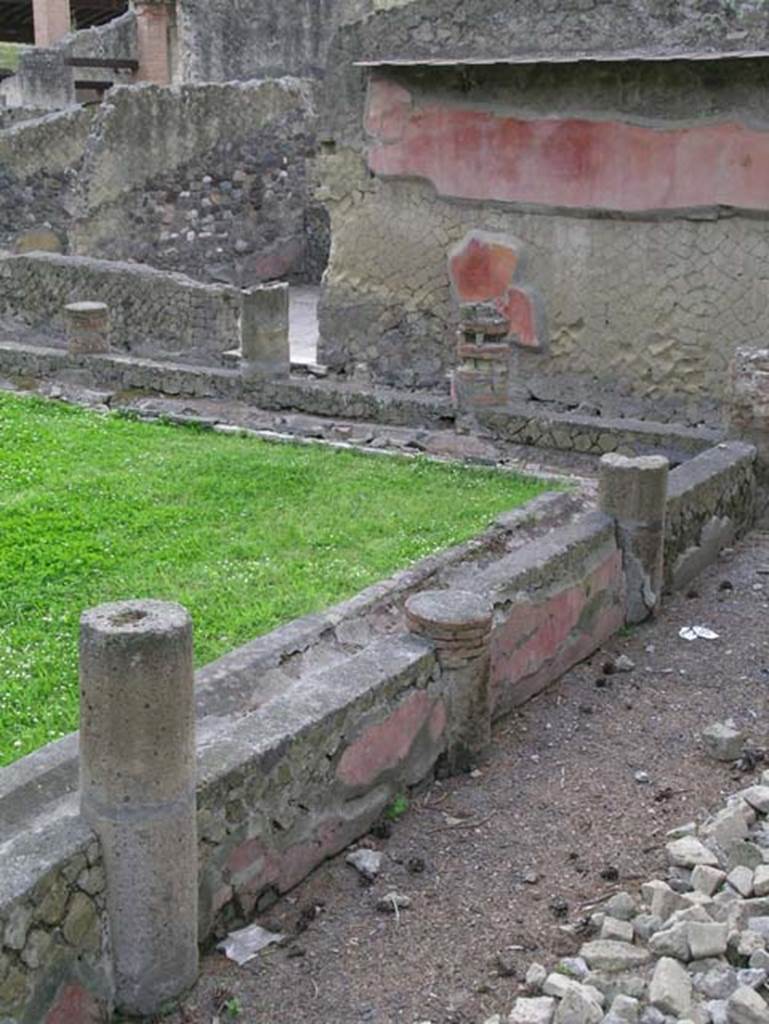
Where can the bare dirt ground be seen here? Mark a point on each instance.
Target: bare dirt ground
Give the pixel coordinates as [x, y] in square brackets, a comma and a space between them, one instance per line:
[553, 820]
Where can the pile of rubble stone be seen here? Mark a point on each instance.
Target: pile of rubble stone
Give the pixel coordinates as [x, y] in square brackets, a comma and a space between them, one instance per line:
[693, 950]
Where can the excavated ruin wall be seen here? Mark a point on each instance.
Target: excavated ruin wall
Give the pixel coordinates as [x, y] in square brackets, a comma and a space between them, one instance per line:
[645, 303]
[214, 181]
[304, 738]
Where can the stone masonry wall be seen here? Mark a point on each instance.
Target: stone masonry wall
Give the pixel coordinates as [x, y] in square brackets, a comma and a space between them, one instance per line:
[304, 738]
[167, 316]
[215, 181]
[54, 950]
[221, 41]
[647, 304]
[711, 503]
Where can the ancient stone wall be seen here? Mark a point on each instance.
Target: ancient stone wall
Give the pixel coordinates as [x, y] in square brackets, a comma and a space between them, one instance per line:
[215, 181]
[306, 735]
[645, 291]
[167, 316]
[44, 79]
[711, 503]
[221, 41]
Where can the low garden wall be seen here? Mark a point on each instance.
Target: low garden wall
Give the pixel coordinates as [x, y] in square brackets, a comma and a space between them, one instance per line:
[152, 313]
[306, 735]
[589, 435]
[711, 502]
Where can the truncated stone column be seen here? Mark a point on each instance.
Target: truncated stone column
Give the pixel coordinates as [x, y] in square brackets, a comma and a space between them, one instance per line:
[634, 492]
[137, 791]
[482, 377]
[747, 402]
[264, 345]
[87, 327]
[459, 625]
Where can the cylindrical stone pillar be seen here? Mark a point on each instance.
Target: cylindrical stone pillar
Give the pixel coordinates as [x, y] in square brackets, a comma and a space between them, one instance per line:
[264, 341]
[747, 402]
[633, 491]
[137, 792]
[458, 623]
[87, 327]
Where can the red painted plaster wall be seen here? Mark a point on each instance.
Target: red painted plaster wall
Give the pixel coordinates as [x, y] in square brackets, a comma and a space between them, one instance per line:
[576, 163]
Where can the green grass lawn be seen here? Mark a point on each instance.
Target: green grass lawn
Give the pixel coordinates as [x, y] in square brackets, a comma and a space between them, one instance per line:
[9, 55]
[246, 534]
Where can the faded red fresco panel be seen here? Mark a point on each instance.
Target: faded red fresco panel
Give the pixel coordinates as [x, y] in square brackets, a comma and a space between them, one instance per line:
[387, 744]
[482, 271]
[518, 307]
[483, 268]
[583, 164]
[539, 642]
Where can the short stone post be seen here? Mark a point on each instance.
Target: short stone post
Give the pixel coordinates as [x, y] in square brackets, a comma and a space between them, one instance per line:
[264, 344]
[747, 402]
[87, 327]
[458, 623]
[137, 792]
[482, 377]
[633, 491]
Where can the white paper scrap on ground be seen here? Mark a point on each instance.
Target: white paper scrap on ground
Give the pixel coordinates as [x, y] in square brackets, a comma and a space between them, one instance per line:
[697, 633]
[245, 944]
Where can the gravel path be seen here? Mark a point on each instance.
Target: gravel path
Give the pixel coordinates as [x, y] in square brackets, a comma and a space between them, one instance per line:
[500, 866]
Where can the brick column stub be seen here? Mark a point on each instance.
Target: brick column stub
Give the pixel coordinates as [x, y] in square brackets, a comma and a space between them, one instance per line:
[153, 21]
[458, 624]
[633, 491]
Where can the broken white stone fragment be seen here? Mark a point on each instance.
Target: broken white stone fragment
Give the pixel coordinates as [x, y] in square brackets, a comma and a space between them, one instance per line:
[607, 955]
[613, 928]
[707, 880]
[690, 852]
[671, 988]
[368, 863]
[746, 1007]
[672, 942]
[577, 1007]
[761, 880]
[757, 797]
[532, 1010]
[707, 939]
[741, 880]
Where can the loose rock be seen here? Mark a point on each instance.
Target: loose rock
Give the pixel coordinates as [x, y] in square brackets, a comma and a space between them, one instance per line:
[723, 742]
[368, 863]
[671, 988]
[746, 1007]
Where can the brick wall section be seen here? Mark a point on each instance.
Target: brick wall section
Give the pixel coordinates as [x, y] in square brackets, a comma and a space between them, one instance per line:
[151, 313]
[52, 20]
